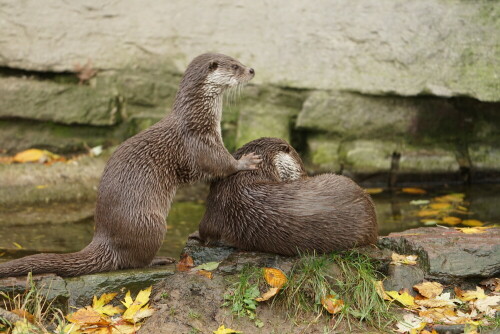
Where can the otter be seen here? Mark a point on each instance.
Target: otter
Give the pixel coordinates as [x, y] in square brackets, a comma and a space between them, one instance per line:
[142, 175]
[279, 209]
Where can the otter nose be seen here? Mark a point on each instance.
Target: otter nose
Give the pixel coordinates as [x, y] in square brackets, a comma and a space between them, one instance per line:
[251, 70]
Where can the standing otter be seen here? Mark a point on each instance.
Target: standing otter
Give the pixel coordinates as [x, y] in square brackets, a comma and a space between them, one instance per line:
[141, 177]
[278, 209]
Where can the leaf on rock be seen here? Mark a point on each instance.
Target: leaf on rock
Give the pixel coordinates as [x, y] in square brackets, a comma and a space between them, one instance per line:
[403, 298]
[332, 304]
[209, 266]
[274, 277]
[223, 330]
[205, 273]
[472, 230]
[268, 294]
[186, 263]
[429, 289]
[417, 191]
[398, 259]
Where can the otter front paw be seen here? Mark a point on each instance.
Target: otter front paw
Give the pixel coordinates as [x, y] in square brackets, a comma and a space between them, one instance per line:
[249, 161]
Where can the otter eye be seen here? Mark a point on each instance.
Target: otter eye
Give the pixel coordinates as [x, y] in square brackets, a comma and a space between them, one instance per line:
[235, 67]
[213, 66]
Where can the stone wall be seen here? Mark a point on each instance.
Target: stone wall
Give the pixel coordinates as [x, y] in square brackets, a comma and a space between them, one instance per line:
[348, 82]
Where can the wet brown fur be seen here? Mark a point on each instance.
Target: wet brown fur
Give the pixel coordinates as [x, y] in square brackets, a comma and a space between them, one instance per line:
[141, 177]
[258, 211]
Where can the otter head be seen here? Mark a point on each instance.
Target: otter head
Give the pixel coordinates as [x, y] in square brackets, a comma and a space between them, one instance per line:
[280, 161]
[214, 73]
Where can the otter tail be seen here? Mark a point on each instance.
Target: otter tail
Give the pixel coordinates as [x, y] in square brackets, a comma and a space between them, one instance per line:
[93, 258]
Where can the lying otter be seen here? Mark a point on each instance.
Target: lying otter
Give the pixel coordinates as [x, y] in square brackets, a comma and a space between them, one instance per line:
[142, 175]
[278, 209]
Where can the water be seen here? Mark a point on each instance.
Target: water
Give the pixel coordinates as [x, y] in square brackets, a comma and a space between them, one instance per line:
[69, 228]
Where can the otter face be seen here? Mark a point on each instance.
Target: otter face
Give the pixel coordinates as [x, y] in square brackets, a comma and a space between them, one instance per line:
[226, 72]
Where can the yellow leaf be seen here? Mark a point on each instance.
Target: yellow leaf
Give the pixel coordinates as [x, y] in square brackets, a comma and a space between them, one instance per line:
[470, 294]
[440, 206]
[99, 305]
[135, 309]
[456, 198]
[472, 230]
[429, 289]
[405, 298]
[223, 330]
[472, 222]
[205, 273]
[431, 303]
[17, 245]
[24, 327]
[87, 316]
[69, 329]
[275, 277]
[413, 191]
[35, 155]
[373, 191]
[268, 294]
[42, 186]
[398, 259]
[451, 220]
[425, 213]
[332, 304]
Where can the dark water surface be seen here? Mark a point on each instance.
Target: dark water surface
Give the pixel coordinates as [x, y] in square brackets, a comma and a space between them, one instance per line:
[64, 228]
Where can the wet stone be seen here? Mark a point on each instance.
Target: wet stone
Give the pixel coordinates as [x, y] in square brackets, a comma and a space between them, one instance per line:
[403, 277]
[448, 254]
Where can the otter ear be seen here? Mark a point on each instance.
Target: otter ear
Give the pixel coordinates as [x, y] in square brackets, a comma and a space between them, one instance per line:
[285, 148]
[212, 66]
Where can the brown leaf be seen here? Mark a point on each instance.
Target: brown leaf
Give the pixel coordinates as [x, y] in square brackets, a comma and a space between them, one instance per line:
[429, 289]
[470, 294]
[24, 314]
[398, 259]
[373, 191]
[268, 294]
[205, 273]
[492, 284]
[186, 263]
[332, 304]
[87, 316]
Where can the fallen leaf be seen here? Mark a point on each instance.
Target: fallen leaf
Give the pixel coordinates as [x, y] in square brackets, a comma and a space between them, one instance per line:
[99, 305]
[470, 294]
[404, 298]
[379, 287]
[41, 186]
[35, 155]
[488, 305]
[274, 277]
[87, 316]
[472, 222]
[209, 266]
[205, 273]
[472, 230]
[24, 327]
[440, 206]
[373, 191]
[6, 160]
[450, 198]
[268, 294]
[137, 309]
[417, 191]
[410, 322]
[398, 259]
[437, 314]
[429, 289]
[186, 263]
[492, 284]
[17, 245]
[428, 222]
[332, 304]
[419, 202]
[432, 303]
[451, 220]
[424, 213]
[224, 330]
[24, 314]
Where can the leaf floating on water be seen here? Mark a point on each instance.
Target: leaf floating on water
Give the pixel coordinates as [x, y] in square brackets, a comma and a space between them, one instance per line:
[451, 220]
[425, 213]
[398, 259]
[416, 191]
[223, 330]
[472, 222]
[274, 277]
[420, 202]
[332, 304]
[456, 198]
[373, 191]
[440, 206]
[429, 289]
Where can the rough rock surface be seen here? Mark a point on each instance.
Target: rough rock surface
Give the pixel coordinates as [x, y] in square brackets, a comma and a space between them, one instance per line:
[438, 47]
[448, 254]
